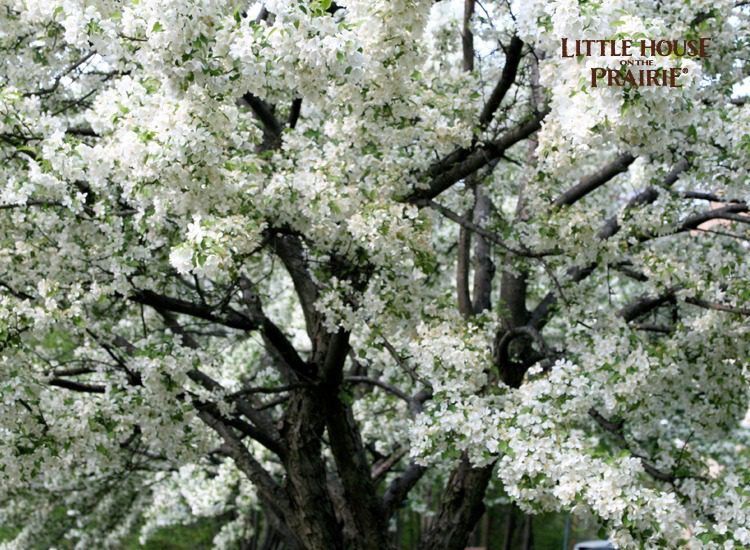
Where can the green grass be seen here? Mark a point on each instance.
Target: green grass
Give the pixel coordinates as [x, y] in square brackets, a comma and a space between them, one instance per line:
[195, 536]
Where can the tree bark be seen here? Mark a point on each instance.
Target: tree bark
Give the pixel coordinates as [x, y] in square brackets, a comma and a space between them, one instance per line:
[460, 508]
[313, 517]
[510, 528]
[528, 532]
[370, 528]
[484, 268]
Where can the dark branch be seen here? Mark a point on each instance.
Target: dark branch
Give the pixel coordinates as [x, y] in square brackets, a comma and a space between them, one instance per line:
[508, 76]
[726, 212]
[233, 319]
[644, 305]
[398, 489]
[467, 37]
[594, 181]
[463, 162]
[380, 384]
[76, 386]
[294, 112]
[716, 306]
[264, 112]
[616, 429]
[492, 237]
[271, 493]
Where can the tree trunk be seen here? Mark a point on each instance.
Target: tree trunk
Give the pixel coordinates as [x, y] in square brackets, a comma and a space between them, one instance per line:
[528, 532]
[460, 508]
[510, 528]
[370, 530]
[313, 517]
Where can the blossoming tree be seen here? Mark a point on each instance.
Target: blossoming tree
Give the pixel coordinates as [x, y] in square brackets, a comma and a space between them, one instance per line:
[299, 261]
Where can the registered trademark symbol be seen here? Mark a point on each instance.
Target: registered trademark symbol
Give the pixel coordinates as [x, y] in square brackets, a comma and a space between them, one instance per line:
[684, 70]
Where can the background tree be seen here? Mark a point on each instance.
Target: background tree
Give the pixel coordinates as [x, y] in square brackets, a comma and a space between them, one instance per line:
[297, 265]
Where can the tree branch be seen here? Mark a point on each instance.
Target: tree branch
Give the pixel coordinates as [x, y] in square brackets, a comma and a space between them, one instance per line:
[294, 112]
[484, 268]
[463, 162]
[383, 467]
[726, 212]
[462, 269]
[616, 429]
[507, 78]
[264, 112]
[76, 386]
[263, 430]
[379, 383]
[467, 37]
[594, 181]
[492, 237]
[233, 319]
[541, 312]
[398, 489]
[270, 492]
[718, 306]
[644, 305]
